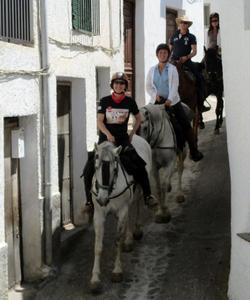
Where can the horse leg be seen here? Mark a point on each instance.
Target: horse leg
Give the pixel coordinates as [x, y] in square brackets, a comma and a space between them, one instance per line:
[122, 222]
[221, 110]
[99, 219]
[219, 114]
[162, 214]
[132, 211]
[180, 167]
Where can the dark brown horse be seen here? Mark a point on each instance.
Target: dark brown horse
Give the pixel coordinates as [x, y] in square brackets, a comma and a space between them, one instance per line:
[188, 93]
[214, 82]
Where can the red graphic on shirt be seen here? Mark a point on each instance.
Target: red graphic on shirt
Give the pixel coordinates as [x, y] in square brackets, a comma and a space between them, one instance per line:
[116, 115]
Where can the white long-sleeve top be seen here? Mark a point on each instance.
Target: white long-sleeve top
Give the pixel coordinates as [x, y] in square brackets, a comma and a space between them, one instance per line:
[173, 82]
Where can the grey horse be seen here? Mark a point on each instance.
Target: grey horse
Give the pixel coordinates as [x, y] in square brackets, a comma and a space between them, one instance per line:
[158, 132]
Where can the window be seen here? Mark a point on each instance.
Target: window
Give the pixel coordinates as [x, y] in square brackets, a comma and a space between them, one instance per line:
[86, 16]
[15, 20]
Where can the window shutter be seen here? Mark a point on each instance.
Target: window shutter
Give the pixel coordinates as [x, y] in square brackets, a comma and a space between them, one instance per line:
[96, 17]
[76, 14]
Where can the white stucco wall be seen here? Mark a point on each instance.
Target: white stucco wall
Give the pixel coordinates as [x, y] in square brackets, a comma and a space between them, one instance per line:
[236, 72]
[19, 97]
[194, 10]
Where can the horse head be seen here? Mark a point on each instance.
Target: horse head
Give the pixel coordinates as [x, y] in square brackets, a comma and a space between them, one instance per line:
[151, 122]
[106, 170]
[213, 64]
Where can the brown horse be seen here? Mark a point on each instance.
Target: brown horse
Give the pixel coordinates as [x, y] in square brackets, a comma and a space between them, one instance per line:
[188, 93]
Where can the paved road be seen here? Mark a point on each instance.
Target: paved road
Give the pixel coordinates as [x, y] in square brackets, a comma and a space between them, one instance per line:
[185, 259]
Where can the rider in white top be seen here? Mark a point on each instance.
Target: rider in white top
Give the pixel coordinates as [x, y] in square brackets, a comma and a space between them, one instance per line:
[169, 96]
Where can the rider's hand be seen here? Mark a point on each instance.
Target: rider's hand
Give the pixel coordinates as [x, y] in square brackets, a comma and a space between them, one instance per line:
[168, 103]
[183, 59]
[110, 138]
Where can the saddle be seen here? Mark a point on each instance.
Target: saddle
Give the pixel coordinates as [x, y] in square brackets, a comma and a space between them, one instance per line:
[131, 161]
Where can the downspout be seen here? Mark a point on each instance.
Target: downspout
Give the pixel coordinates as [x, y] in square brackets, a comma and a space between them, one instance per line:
[111, 44]
[47, 119]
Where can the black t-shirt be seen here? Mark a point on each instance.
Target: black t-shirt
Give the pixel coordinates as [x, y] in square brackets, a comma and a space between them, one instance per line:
[116, 115]
[182, 44]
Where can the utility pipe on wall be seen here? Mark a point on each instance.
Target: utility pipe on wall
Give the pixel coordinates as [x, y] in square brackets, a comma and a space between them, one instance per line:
[47, 122]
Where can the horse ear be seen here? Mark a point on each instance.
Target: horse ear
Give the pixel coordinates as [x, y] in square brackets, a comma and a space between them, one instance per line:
[95, 146]
[117, 150]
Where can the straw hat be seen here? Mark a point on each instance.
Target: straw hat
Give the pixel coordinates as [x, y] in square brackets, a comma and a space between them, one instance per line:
[183, 19]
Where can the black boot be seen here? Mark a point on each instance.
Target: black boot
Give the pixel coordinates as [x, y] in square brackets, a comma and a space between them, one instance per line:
[195, 154]
[88, 174]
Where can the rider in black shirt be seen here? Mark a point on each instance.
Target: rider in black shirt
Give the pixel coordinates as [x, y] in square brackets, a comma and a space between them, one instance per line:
[112, 121]
[183, 45]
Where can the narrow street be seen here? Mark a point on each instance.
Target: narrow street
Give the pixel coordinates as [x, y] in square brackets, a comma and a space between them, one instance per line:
[185, 259]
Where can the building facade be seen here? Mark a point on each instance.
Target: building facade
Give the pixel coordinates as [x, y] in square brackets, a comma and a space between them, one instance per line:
[235, 22]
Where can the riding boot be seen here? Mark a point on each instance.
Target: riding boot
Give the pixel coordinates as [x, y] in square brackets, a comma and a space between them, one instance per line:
[141, 176]
[195, 154]
[88, 173]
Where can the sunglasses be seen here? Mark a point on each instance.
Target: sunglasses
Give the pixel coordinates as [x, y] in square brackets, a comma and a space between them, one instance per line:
[213, 21]
[119, 82]
[186, 23]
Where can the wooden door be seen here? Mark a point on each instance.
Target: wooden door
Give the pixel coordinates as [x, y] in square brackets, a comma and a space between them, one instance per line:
[171, 15]
[12, 206]
[129, 41]
[64, 150]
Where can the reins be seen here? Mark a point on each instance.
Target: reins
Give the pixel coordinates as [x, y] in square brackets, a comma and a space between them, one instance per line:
[110, 187]
[156, 141]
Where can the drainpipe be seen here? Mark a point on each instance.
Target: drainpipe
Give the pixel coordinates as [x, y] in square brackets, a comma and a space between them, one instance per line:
[47, 136]
[110, 25]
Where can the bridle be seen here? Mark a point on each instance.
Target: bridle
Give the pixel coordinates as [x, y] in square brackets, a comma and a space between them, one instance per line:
[108, 184]
[154, 142]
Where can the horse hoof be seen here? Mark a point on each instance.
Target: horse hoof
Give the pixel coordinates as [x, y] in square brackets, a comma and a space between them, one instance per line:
[127, 247]
[138, 234]
[217, 131]
[169, 189]
[162, 219]
[117, 277]
[180, 198]
[96, 287]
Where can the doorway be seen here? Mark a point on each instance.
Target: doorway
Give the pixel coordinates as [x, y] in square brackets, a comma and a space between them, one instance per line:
[129, 45]
[12, 204]
[64, 151]
[171, 15]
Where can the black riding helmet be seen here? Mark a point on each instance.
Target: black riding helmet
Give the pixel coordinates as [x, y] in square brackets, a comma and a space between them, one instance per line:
[162, 46]
[121, 77]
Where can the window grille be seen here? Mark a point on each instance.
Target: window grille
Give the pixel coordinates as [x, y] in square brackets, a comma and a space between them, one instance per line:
[15, 20]
[86, 16]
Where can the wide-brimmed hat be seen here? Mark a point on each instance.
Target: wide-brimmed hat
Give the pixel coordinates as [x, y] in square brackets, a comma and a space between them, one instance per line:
[183, 19]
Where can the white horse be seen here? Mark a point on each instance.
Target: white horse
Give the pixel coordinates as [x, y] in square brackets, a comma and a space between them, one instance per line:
[157, 130]
[113, 191]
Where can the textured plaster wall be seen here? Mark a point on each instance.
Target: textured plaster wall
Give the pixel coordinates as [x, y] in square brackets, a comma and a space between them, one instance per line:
[237, 92]
[194, 10]
[19, 96]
